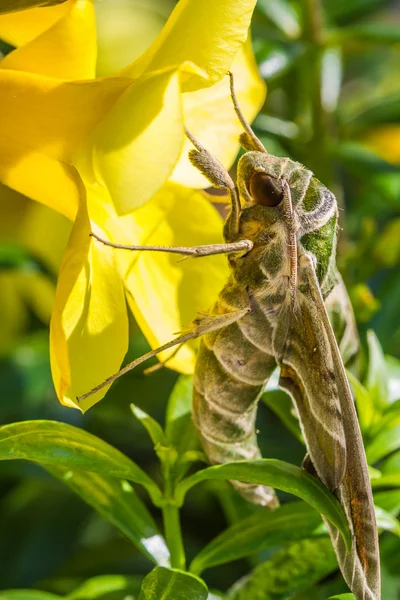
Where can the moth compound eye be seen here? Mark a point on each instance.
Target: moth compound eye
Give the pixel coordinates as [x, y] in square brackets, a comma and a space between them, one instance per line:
[266, 190]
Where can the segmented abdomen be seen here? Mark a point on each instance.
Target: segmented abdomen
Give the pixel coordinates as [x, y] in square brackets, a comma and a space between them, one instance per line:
[232, 368]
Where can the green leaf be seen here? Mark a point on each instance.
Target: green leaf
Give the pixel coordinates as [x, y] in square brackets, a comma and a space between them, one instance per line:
[283, 15]
[391, 465]
[179, 427]
[27, 595]
[386, 521]
[343, 597]
[295, 567]
[50, 443]
[377, 376]
[281, 404]
[383, 444]
[117, 501]
[153, 428]
[14, 5]
[172, 584]
[364, 403]
[277, 474]
[109, 587]
[389, 500]
[288, 523]
[393, 369]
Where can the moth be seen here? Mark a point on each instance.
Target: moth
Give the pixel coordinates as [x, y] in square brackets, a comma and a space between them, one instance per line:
[280, 240]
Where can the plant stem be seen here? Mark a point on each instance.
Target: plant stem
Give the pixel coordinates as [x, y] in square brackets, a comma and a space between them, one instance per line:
[173, 536]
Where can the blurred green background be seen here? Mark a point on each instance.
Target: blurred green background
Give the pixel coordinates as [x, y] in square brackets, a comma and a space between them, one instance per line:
[333, 103]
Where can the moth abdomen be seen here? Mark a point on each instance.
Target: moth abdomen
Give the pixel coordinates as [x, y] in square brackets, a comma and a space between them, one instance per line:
[230, 376]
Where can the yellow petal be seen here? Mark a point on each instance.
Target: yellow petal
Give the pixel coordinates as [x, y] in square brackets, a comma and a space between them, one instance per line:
[67, 50]
[44, 233]
[42, 121]
[18, 28]
[126, 29]
[210, 116]
[89, 325]
[207, 33]
[135, 148]
[164, 292]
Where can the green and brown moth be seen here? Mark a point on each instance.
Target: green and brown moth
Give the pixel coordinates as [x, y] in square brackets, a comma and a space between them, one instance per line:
[280, 238]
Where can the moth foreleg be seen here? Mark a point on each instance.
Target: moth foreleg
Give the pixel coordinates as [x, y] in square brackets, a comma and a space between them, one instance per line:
[201, 326]
[194, 251]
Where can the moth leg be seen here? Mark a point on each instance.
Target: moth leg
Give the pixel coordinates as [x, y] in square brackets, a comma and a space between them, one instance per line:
[218, 176]
[248, 139]
[201, 326]
[162, 364]
[195, 251]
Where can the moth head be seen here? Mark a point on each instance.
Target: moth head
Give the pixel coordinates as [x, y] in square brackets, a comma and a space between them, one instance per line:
[258, 180]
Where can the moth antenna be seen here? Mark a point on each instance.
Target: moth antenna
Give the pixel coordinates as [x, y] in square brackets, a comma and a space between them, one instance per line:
[248, 139]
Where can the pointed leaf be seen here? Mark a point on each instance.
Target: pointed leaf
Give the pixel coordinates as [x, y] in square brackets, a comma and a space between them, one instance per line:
[377, 376]
[172, 584]
[343, 597]
[153, 428]
[179, 426]
[59, 444]
[117, 501]
[288, 523]
[384, 443]
[280, 475]
[364, 402]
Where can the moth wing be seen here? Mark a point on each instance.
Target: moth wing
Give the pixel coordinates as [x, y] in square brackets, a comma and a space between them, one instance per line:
[309, 375]
[360, 566]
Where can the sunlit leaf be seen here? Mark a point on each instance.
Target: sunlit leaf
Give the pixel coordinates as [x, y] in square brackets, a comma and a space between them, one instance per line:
[383, 444]
[264, 529]
[153, 428]
[59, 444]
[171, 584]
[377, 376]
[364, 402]
[283, 14]
[280, 475]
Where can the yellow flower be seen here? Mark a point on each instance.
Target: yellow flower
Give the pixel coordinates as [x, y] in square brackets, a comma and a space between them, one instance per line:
[110, 154]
